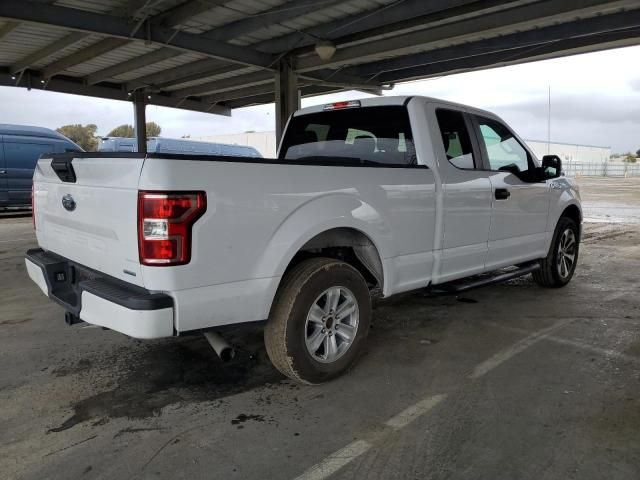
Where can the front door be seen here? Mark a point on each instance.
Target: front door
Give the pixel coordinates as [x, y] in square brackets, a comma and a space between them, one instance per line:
[520, 204]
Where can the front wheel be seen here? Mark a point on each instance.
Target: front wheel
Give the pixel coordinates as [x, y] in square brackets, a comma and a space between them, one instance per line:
[557, 269]
[319, 320]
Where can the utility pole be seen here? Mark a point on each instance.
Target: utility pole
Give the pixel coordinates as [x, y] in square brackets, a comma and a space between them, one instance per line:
[549, 122]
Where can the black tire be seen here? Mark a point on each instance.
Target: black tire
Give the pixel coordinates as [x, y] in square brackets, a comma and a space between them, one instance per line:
[287, 330]
[551, 274]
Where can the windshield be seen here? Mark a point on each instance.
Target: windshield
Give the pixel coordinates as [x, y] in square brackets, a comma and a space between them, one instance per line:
[369, 135]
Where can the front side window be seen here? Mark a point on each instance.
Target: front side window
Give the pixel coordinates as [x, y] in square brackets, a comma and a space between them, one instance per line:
[455, 138]
[504, 151]
[353, 136]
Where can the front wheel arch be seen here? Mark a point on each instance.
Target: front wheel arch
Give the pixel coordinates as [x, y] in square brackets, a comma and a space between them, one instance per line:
[574, 213]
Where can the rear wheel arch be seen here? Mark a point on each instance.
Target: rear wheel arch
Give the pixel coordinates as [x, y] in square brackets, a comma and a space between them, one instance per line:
[299, 318]
[349, 245]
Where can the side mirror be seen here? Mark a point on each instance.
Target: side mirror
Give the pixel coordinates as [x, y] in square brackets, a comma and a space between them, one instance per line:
[551, 167]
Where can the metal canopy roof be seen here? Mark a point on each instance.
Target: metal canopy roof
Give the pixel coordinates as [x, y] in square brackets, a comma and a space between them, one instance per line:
[216, 55]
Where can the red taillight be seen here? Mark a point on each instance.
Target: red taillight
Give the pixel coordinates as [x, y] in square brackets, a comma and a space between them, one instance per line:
[164, 226]
[33, 205]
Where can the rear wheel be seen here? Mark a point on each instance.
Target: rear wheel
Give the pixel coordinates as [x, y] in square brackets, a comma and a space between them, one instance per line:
[319, 320]
[557, 269]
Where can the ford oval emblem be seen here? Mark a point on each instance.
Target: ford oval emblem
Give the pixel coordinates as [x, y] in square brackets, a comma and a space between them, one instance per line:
[68, 202]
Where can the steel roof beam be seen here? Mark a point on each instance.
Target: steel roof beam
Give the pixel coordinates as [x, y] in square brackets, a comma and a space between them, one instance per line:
[247, 80]
[270, 88]
[517, 55]
[223, 32]
[84, 55]
[64, 42]
[135, 63]
[309, 91]
[360, 22]
[539, 37]
[208, 68]
[47, 51]
[418, 18]
[182, 74]
[259, 78]
[473, 56]
[170, 19]
[407, 11]
[495, 24]
[288, 10]
[186, 11]
[7, 28]
[239, 93]
[109, 25]
[61, 84]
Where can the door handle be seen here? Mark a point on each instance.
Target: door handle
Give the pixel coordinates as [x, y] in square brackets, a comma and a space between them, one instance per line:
[3, 172]
[502, 193]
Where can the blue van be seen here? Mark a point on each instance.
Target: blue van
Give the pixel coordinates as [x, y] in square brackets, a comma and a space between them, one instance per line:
[20, 148]
[177, 146]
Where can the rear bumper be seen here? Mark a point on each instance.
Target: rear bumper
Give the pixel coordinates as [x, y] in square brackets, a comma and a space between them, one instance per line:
[99, 299]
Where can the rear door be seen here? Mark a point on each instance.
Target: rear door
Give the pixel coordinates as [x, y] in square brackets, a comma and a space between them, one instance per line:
[21, 155]
[98, 226]
[466, 195]
[4, 192]
[520, 203]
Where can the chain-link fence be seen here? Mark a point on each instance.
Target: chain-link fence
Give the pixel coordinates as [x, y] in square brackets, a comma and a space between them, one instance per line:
[605, 169]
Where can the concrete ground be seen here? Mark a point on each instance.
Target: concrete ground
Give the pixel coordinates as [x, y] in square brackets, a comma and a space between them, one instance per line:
[507, 382]
[610, 200]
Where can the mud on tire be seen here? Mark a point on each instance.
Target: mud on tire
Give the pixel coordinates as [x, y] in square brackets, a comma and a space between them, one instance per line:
[312, 317]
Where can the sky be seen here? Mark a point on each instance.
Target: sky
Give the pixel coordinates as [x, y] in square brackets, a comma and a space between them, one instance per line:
[595, 100]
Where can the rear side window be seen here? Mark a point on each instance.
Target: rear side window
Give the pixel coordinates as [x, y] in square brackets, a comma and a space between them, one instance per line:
[455, 138]
[355, 136]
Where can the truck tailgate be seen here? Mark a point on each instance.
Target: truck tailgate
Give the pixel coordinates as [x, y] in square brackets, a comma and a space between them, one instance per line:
[96, 224]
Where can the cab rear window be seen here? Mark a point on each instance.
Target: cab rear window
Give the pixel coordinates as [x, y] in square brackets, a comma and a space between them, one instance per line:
[375, 136]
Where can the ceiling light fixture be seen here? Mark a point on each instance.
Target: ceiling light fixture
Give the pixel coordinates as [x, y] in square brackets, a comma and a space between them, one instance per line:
[325, 50]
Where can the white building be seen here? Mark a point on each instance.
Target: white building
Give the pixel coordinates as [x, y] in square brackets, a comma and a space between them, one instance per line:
[571, 153]
[265, 143]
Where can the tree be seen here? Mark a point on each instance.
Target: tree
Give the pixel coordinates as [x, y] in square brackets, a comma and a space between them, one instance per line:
[638, 153]
[629, 158]
[85, 136]
[153, 129]
[127, 131]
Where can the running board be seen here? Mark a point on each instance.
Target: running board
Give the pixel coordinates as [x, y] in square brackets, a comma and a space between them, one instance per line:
[459, 286]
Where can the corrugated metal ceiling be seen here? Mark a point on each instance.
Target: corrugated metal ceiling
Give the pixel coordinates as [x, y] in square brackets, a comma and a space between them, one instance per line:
[297, 22]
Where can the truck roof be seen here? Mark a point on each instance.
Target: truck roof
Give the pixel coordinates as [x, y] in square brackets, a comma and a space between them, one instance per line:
[390, 101]
[30, 131]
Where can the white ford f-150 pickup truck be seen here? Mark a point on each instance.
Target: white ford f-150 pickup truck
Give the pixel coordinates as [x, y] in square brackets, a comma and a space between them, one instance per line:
[370, 197]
